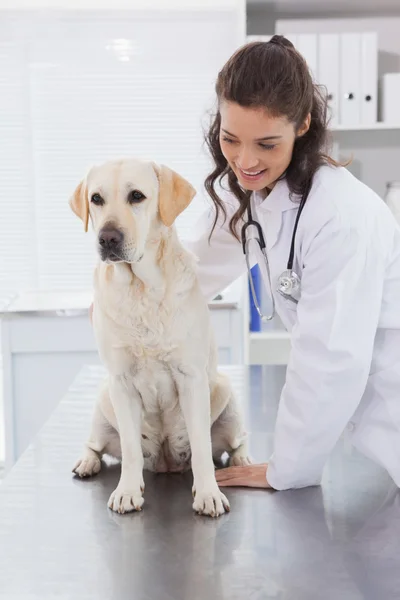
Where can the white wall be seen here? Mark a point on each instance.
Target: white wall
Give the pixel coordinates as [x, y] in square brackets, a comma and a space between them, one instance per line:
[85, 88]
[12, 5]
[376, 153]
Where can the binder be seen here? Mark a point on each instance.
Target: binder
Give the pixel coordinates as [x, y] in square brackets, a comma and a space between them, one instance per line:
[328, 72]
[369, 78]
[350, 79]
[306, 44]
[292, 37]
[391, 98]
[258, 38]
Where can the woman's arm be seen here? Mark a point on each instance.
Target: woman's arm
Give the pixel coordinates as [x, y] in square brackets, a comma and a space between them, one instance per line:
[221, 261]
[332, 345]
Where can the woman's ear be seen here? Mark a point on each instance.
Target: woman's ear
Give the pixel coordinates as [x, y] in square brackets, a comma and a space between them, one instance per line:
[305, 127]
[175, 194]
[79, 202]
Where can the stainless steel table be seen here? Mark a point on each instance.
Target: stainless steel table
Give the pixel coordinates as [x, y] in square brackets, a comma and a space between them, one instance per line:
[59, 541]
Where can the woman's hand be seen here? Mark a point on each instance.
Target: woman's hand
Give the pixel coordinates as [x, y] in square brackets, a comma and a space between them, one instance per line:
[249, 476]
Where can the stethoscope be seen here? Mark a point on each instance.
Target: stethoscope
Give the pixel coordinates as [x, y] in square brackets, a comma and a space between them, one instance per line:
[289, 281]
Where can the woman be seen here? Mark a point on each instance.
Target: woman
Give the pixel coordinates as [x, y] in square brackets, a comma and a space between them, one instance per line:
[267, 143]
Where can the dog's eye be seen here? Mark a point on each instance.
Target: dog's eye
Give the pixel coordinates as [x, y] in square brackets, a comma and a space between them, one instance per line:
[135, 196]
[97, 199]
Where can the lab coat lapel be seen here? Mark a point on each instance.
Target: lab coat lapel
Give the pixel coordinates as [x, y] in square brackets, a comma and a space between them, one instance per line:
[270, 212]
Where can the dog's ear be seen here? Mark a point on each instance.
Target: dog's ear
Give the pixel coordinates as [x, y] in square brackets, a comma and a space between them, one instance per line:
[79, 202]
[175, 194]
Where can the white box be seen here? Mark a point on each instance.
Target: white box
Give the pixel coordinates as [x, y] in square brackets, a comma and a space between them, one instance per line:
[350, 79]
[391, 98]
[369, 78]
[328, 71]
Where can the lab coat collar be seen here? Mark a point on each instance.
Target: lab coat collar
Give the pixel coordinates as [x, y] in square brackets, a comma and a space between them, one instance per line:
[278, 200]
[275, 204]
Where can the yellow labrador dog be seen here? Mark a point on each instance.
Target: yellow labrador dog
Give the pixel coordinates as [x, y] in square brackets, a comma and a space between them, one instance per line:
[164, 406]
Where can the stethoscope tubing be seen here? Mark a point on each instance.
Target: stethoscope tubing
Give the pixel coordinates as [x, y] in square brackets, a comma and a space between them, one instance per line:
[289, 279]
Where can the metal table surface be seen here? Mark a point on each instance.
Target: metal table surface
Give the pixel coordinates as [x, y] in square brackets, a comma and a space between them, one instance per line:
[58, 539]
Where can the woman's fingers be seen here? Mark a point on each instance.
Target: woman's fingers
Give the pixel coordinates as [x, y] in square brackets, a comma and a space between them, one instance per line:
[248, 476]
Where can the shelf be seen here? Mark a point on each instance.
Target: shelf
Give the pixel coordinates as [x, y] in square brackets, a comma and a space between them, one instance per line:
[270, 335]
[269, 347]
[373, 127]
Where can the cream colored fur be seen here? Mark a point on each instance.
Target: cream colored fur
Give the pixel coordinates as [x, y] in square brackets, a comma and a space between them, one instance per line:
[164, 406]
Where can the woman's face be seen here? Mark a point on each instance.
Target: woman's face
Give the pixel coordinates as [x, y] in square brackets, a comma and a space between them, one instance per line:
[258, 147]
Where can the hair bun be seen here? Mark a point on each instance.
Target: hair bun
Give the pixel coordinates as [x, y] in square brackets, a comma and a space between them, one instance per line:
[280, 40]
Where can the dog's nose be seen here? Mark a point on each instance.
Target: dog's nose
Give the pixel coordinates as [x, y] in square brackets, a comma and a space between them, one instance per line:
[110, 237]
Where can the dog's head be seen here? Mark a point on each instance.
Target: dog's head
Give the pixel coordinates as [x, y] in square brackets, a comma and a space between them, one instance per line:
[128, 201]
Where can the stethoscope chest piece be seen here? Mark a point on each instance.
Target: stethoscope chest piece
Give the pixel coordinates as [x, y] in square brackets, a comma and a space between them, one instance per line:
[288, 283]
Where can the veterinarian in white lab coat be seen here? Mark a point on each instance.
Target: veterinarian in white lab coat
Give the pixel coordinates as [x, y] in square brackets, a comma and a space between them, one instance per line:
[267, 142]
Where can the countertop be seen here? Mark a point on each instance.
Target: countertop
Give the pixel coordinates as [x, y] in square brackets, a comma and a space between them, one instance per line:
[72, 303]
[340, 541]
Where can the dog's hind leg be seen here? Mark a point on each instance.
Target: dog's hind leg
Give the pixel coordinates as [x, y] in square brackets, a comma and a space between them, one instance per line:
[103, 439]
[227, 432]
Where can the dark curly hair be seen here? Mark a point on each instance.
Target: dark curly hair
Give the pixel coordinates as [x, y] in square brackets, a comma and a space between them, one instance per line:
[274, 76]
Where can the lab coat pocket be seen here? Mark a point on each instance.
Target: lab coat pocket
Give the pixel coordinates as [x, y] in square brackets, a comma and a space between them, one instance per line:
[287, 310]
[290, 304]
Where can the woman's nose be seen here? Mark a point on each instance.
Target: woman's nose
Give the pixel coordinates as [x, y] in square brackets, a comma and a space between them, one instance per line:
[246, 160]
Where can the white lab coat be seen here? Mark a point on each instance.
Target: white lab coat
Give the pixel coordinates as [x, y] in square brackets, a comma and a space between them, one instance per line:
[344, 365]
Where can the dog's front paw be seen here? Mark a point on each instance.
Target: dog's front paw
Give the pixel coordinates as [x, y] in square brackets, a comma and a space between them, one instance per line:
[210, 501]
[126, 499]
[87, 466]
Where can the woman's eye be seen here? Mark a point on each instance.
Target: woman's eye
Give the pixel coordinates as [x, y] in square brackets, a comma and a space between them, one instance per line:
[135, 196]
[97, 199]
[229, 140]
[268, 146]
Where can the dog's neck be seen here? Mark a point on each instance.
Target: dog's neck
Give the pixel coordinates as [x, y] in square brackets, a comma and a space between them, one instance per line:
[149, 270]
[165, 264]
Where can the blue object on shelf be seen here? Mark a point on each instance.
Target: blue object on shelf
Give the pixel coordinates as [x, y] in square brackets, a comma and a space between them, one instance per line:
[255, 321]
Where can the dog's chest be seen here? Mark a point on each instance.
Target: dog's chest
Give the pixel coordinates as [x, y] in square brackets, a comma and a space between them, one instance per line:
[156, 385]
[152, 335]
[147, 330]
[162, 413]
